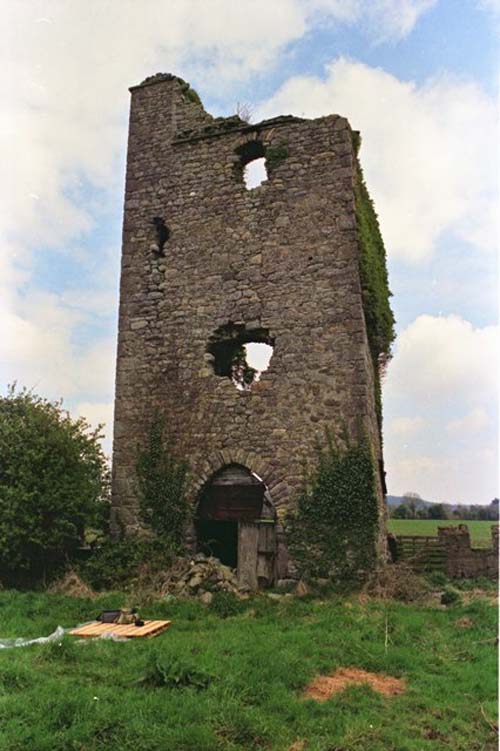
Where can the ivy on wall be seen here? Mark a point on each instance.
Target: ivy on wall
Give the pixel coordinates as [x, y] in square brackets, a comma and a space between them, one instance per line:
[374, 281]
[333, 532]
[275, 155]
[162, 485]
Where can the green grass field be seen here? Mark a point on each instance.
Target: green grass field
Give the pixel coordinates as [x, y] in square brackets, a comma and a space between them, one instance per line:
[87, 696]
[480, 531]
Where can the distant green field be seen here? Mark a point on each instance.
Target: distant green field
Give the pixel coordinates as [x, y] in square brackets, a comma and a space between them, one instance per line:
[480, 531]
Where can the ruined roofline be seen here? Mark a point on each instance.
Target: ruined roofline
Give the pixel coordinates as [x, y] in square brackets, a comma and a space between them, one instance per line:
[220, 126]
[223, 125]
[156, 78]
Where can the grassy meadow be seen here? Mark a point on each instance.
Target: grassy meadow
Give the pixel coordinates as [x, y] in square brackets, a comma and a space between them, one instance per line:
[480, 531]
[213, 683]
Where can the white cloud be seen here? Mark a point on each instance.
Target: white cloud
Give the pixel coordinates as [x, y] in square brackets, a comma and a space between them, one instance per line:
[445, 360]
[450, 479]
[347, 11]
[426, 169]
[381, 19]
[416, 468]
[38, 350]
[66, 96]
[404, 426]
[66, 91]
[398, 18]
[493, 6]
[472, 422]
[96, 414]
[444, 381]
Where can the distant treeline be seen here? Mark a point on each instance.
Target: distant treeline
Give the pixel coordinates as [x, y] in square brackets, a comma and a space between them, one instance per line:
[411, 509]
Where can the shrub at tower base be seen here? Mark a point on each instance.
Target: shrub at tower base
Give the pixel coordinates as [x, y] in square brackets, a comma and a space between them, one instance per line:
[333, 532]
[54, 486]
[161, 483]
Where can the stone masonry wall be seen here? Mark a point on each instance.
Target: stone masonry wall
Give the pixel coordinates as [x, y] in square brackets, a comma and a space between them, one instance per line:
[463, 561]
[283, 256]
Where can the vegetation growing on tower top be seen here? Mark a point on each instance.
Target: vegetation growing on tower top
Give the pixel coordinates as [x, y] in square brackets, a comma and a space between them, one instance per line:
[374, 281]
[190, 94]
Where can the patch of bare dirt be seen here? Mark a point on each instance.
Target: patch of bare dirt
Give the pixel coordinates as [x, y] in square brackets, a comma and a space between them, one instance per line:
[464, 622]
[479, 594]
[324, 686]
[299, 745]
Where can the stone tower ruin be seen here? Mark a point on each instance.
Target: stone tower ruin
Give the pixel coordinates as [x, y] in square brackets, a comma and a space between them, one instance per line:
[209, 267]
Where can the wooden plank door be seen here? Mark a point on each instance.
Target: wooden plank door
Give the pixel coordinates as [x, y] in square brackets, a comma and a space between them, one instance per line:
[266, 553]
[248, 540]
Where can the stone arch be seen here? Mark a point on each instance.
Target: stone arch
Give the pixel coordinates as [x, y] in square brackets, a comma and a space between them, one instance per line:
[250, 149]
[253, 461]
[236, 521]
[248, 501]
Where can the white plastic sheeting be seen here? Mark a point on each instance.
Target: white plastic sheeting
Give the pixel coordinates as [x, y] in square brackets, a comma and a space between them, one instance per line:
[55, 636]
[20, 642]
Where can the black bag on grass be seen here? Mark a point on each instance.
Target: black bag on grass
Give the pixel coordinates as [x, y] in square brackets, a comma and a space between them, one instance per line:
[109, 616]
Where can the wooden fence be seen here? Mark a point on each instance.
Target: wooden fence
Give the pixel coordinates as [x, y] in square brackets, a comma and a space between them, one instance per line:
[422, 552]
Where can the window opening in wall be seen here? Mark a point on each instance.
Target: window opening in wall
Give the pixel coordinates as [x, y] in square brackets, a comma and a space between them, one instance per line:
[255, 173]
[240, 354]
[252, 163]
[258, 357]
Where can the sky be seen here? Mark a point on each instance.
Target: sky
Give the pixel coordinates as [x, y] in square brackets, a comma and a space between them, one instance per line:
[418, 78]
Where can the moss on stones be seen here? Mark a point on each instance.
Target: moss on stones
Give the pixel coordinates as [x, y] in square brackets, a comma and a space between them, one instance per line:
[189, 94]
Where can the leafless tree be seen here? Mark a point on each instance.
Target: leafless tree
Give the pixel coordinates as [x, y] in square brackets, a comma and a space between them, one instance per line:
[245, 111]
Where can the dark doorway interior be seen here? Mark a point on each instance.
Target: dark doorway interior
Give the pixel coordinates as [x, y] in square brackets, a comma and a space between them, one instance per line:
[220, 539]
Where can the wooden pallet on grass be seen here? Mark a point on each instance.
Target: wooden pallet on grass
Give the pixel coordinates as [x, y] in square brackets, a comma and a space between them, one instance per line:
[96, 628]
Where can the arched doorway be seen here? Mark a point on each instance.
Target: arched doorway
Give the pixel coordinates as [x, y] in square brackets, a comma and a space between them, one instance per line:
[235, 523]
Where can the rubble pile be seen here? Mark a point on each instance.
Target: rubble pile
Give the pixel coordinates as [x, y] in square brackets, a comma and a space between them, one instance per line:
[200, 576]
